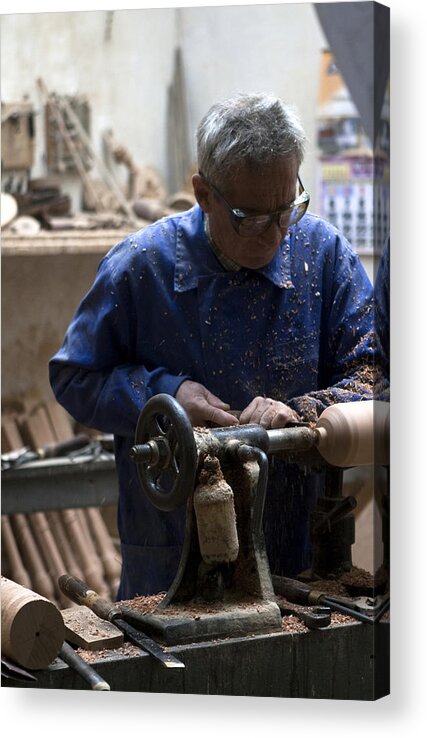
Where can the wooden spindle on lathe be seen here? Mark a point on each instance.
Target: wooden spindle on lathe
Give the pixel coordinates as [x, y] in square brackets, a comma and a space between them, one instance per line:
[17, 569]
[32, 627]
[40, 579]
[105, 547]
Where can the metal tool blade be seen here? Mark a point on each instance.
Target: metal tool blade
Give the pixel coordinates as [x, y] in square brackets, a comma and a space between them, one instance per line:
[339, 607]
[10, 670]
[85, 670]
[147, 644]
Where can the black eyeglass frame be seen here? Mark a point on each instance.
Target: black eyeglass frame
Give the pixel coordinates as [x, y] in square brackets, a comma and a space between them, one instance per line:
[239, 218]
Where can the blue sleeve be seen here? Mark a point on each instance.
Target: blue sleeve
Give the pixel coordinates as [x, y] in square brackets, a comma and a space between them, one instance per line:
[94, 374]
[382, 323]
[347, 346]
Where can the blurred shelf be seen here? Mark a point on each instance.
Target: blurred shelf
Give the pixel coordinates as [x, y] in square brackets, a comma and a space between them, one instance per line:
[50, 243]
[58, 484]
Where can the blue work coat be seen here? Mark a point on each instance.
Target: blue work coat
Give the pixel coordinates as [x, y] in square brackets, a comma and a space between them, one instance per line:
[163, 309]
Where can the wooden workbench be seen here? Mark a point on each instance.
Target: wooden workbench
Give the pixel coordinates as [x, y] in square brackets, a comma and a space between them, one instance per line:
[343, 662]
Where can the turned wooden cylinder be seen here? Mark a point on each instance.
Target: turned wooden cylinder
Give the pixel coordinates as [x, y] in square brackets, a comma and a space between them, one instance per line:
[32, 627]
[355, 433]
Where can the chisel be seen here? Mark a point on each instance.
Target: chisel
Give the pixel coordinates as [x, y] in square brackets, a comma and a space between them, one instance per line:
[68, 654]
[80, 593]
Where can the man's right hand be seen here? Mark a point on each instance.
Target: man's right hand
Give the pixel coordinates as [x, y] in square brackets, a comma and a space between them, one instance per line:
[202, 407]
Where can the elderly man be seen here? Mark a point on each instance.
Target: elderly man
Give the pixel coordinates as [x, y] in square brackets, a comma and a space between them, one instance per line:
[244, 302]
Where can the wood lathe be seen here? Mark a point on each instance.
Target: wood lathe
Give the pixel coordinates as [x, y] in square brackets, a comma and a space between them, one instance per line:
[222, 474]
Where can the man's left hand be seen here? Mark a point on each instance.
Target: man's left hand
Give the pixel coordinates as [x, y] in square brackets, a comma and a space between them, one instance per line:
[268, 413]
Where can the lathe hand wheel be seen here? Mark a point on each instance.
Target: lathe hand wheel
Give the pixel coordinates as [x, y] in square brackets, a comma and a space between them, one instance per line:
[168, 482]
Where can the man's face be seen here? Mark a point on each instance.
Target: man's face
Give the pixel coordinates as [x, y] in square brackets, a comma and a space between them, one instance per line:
[256, 192]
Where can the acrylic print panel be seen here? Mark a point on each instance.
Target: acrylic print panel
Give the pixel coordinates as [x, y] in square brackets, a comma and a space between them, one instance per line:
[247, 561]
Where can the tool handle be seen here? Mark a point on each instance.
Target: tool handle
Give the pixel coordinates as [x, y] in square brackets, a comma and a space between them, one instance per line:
[79, 592]
[291, 589]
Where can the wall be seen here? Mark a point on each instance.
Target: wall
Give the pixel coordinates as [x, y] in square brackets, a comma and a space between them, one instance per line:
[123, 61]
[39, 294]
[274, 48]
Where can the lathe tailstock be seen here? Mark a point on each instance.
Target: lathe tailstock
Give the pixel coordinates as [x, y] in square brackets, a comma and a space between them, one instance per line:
[223, 585]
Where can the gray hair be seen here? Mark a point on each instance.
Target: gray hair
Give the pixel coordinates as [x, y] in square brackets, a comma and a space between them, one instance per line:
[253, 129]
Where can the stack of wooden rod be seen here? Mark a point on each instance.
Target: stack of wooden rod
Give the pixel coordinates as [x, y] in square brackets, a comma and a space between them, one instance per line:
[34, 423]
[38, 547]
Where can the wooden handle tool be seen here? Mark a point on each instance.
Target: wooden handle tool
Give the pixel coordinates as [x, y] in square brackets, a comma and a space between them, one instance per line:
[302, 594]
[79, 592]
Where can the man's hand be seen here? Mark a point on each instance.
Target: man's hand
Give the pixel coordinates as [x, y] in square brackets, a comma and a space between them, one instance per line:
[202, 407]
[268, 413]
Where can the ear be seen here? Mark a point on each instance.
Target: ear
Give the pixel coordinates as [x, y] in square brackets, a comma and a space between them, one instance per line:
[202, 192]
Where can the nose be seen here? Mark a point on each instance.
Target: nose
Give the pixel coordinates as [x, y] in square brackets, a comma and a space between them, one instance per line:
[269, 242]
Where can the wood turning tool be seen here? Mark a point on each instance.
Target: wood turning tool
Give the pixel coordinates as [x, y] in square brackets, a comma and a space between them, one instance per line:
[80, 593]
[221, 474]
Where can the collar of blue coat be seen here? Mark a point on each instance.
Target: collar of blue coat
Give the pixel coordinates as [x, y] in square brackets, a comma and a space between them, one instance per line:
[195, 258]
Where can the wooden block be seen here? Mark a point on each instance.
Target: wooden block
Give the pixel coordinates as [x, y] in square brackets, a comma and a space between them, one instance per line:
[85, 629]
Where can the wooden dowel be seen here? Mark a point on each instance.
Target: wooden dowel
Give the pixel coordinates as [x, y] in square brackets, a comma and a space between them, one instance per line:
[54, 561]
[89, 563]
[18, 571]
[32, 627]
[41, 581]
[104, 589]
[105, 548]
[63, 544]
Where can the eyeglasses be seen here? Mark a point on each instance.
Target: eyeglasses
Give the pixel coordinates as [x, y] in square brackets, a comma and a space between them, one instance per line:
[254, 225]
